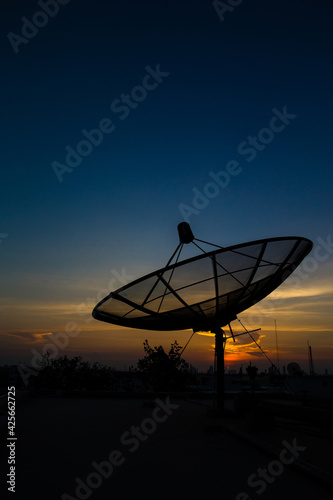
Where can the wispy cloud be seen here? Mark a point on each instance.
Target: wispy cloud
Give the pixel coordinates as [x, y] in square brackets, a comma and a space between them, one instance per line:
[243, 344]
[288, 292]
[27, 336]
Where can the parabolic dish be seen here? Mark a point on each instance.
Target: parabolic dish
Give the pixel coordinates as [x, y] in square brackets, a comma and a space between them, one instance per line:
[206, 291]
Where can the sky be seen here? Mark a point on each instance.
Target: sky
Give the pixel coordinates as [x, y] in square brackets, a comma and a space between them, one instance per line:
[121, 120]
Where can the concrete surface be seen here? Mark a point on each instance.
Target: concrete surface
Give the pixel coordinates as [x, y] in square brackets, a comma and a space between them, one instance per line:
[175, 455]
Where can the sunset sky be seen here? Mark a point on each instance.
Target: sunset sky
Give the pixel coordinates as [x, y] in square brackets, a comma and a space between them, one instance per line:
[186, 113]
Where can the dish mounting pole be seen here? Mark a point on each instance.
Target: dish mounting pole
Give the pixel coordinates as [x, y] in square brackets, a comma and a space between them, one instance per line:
[220, 340]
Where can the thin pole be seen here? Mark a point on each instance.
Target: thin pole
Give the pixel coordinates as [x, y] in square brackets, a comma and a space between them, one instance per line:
[310, 360]
[277, 347]
[219, 356]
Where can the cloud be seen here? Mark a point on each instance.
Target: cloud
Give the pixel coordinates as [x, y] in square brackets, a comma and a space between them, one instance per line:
[27, 336]
[248, 347]
[287, 292]
[243, 344]
[256, 354]
[245, 339]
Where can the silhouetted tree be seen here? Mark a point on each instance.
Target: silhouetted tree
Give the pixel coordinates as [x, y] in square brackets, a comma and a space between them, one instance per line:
[73, 374]
[163, 371]
[252, 372]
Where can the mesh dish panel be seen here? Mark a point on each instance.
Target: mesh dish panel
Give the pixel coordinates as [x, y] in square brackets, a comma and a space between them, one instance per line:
[206, 291]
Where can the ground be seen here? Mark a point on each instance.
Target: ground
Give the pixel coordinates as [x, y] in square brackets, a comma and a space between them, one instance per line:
[172, 450]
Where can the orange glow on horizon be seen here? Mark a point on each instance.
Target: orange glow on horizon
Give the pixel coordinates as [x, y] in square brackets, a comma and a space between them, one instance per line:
[302, 314]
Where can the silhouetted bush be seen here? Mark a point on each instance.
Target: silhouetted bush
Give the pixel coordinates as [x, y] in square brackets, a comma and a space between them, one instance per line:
[163, 371]
[73, 374]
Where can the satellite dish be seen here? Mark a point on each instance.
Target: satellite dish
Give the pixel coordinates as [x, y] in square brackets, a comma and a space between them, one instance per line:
[294, 369]
[205, 292]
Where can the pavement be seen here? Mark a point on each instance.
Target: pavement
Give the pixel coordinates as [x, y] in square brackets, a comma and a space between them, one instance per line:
[80, 448]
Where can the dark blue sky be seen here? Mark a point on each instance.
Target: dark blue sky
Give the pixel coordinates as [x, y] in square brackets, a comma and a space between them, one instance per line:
[121, 204]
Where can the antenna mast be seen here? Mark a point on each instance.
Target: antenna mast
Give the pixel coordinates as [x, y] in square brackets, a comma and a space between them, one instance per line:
[277, 347]
[310, 360]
